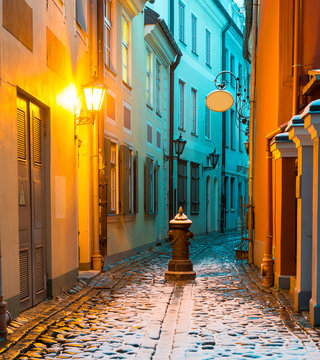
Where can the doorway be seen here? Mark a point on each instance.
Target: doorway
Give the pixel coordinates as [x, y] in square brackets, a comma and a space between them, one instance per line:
[32, 203]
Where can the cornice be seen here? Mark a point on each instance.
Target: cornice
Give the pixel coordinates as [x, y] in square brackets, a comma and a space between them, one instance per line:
[133, 7]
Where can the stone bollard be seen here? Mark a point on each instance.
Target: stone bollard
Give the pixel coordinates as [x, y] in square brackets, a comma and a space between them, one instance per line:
[180, 266]
[5, 318]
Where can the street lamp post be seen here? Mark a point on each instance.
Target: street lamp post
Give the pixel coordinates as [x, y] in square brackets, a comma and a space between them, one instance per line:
[94, 94]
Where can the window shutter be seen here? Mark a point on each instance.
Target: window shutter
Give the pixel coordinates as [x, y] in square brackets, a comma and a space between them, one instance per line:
[107, 157]
[124, 179]
[150, 186]
[135, 184]
[156, 172]
[145, 186]
[21, 132]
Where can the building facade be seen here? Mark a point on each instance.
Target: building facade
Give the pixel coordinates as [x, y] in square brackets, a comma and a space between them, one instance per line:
[286, 150]
[209, 34]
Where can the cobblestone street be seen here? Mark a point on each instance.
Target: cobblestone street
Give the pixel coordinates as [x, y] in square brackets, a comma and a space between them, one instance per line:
[131, 312]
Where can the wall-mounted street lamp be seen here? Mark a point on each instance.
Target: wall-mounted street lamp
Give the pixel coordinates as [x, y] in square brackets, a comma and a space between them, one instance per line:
[221, 100]
[94, 94]
[179, 145]
[213, 158]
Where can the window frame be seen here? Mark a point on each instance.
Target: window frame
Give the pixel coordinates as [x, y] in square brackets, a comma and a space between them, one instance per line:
[149, 78]
[158, 87]
[194, 111]
[114, 168]
[126, 48]
[181, 22]
[181, 104]
[208, 48]
[194, 34]
[232, 69]
[232, 129]
[194, 188]
[182, 190]
[108, 4]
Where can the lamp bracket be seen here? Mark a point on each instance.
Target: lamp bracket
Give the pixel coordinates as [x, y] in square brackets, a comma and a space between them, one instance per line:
[204, 168]
[168, 157]
[83, 120]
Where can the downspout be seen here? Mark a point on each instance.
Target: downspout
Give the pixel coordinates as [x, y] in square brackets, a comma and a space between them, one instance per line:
[5, 316]
[223, 159]
[252, 127]
[102, 176]
[296, 56]
[95, 256]
[267, 261]
[171, 131]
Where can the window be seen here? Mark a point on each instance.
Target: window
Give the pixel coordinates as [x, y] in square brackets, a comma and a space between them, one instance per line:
[226, 120]
[149, 186]
[113, 178]
[226, 192]
[158, 87]
[81, 14]
[107, 28]
[148, 77]
[232, 193]
[149, 134]
[207, 130]
[226, 65]
[208, 47]
[194, 188]
[182, 184]
[125, 50]
[126, 118]
[194, 33]
[111, 107]
[232, 130]
[158, 140]
[181, 21]
[181, 104]
[194, 110]
[232, 69]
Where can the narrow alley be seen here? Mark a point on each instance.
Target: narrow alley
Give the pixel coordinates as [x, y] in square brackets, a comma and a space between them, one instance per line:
[130, 312]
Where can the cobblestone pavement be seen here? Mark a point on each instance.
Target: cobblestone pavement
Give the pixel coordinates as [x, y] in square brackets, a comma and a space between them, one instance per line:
[130, 312]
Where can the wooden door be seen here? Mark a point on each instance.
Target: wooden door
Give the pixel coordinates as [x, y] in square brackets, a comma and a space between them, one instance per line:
[31, 198]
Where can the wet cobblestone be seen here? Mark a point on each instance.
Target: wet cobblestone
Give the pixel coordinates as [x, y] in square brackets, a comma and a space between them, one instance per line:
[133, 313]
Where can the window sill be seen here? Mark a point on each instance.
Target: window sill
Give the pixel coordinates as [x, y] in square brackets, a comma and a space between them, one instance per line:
[158, 114]
[116, 218]
[149, 107]
[183, 43]
[111, 70]
[181, 129]
[232, 210]
[194, 53]
[127, 86]
[208, 139]
[209, 66]
[194, 134]
[194, 212]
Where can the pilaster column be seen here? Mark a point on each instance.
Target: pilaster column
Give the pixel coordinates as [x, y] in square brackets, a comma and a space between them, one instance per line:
[302, 139]
[311, 116]
[284, 153]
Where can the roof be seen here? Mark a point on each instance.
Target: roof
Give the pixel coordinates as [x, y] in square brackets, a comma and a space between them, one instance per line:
[151, 18]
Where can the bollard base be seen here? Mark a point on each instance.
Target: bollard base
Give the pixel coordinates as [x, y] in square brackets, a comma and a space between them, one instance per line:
[180, 275]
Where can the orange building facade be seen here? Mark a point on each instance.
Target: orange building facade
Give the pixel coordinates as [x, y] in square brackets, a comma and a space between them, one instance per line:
[286, 83]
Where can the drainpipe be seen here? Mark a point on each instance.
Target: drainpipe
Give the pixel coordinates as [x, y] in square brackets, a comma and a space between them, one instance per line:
[5, 316]
[252, 127]
[95, 256]
[223, 157]
[296, 56]
[267, 261]
[171, 131]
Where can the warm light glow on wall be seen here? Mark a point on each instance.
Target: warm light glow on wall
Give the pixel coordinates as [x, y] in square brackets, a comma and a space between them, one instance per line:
[68, 99]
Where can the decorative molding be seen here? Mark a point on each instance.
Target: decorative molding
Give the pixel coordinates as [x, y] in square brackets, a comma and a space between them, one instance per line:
[133, 7]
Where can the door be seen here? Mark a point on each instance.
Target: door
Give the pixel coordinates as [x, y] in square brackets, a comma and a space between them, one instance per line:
[208, 206]
[31, 198]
